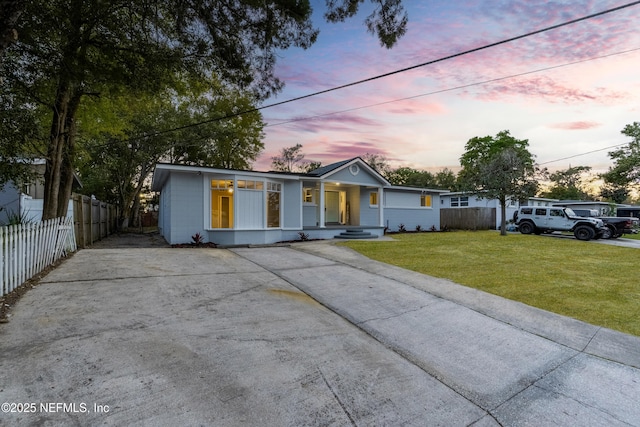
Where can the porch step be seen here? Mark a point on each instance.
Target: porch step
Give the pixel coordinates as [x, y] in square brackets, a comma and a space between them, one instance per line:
[355, 233]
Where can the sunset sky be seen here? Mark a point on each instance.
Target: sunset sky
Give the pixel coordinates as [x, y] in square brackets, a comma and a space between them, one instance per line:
[568, 91]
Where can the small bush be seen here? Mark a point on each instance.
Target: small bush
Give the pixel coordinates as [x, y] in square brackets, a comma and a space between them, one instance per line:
[197, 239]
[303, 236]
[418, 228]
[401, 228]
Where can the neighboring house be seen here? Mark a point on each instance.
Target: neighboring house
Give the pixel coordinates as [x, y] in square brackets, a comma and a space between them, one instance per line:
[236, 207]
[602, 208]
[481, 206]
[27, 200]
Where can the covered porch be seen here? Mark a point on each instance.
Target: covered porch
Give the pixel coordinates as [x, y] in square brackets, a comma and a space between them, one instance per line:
[341, 205]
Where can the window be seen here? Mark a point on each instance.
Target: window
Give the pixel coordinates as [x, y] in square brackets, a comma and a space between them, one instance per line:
[459, 201]
[556, 212]
[541, 211]
[250, 185]
[221, 203]
[425, 200]
[273, 204]
[307, 195]
[373, 199]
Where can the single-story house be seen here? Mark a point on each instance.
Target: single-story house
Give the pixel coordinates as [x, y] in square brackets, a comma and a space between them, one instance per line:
[238, 207]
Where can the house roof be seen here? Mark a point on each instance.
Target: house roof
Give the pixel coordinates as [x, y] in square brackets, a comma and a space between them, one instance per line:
[162, 171]
[323, 170]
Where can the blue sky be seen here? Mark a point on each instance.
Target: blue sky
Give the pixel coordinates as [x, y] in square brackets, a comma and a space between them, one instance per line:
[548, 88]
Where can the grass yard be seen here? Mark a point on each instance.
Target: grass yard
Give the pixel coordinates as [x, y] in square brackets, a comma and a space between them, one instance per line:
[596, 283]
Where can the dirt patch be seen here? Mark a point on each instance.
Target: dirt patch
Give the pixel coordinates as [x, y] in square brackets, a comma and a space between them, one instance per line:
[131, 240]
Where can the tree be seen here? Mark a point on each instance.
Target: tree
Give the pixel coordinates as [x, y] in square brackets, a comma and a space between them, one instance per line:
[625, 173]
[116, 165]
[447, 179]
[568, 184]
[289, 158]
[74, 49]
[378, 162]
[499, 167]
[10, 11]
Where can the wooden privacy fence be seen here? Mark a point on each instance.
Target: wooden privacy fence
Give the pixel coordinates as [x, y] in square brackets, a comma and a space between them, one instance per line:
[473, 218]
[93, 219]
[27, 249]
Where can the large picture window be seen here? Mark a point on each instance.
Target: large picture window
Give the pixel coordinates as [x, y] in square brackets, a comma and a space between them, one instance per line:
[273, 204]
[221, 203]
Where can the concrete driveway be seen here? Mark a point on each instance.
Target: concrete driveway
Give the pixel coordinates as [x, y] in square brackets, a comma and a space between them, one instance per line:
[311, 334]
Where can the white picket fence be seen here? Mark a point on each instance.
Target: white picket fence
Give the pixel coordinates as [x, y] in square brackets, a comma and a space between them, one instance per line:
[27, 249]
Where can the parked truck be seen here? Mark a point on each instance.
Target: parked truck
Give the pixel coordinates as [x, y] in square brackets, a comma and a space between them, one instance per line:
[616, 225]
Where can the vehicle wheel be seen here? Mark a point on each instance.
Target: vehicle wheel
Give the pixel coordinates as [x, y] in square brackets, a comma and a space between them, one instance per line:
[526, 228]
[608, 232]
[584, 232]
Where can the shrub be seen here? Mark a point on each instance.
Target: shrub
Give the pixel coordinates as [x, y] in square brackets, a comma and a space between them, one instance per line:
[197, 239]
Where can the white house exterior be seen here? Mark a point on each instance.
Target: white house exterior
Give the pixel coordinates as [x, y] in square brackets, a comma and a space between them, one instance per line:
[235, 207]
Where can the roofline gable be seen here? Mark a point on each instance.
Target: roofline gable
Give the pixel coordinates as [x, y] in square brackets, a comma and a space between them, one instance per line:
[340, 166]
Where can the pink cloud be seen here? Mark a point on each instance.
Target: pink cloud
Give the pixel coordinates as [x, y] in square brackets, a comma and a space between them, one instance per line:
[333, 151]
[575, 125]
[547, 88]
[334, 122]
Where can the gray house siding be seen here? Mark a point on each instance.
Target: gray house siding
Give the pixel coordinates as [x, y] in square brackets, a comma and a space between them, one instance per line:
[291, 204]
[403, 207]
[345, 176]
[186, 203]
[369, 215]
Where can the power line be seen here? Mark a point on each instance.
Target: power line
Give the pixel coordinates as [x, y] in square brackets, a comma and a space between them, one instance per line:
[402, 70]
[465, 86]
[583, 154]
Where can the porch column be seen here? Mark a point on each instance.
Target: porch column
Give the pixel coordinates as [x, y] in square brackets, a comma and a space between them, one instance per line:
[321, 205]
[380, 207]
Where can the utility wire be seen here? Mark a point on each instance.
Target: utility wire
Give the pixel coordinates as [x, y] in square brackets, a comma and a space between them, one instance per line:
[465, 86]
[402, 70]
[583, 154]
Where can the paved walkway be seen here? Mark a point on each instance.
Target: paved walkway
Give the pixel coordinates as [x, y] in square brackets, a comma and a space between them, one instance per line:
[311, 334]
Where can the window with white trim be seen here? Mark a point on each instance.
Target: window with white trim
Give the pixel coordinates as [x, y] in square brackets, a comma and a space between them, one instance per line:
[459, 201]
[273, 204]
[221, 203]
[373, 198]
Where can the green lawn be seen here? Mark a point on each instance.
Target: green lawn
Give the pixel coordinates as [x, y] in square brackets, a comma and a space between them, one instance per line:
[596, 283]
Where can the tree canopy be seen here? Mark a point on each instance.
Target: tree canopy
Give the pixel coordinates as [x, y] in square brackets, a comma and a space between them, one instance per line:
[568, 184]
[625, 172]
[499, 167]
[70, 50]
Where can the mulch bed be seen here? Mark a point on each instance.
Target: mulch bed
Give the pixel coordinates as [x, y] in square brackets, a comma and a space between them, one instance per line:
[194, 245]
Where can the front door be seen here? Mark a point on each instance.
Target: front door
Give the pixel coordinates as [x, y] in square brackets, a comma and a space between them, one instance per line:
[332, 207]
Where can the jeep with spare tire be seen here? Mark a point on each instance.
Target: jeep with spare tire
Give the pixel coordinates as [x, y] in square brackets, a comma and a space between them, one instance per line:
[539, 220]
